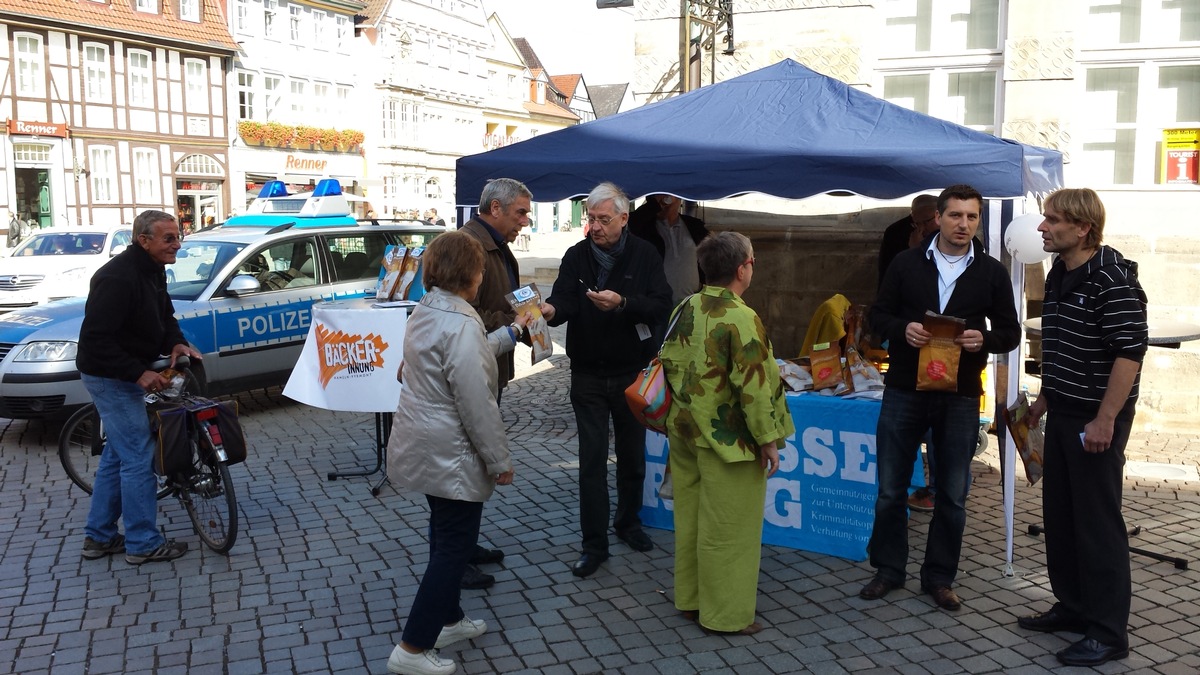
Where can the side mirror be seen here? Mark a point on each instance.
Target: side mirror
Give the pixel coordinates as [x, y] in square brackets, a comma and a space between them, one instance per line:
[243, 284]
[181, 253]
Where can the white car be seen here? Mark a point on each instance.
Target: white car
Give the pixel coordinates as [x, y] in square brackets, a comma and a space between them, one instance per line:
[57, 263]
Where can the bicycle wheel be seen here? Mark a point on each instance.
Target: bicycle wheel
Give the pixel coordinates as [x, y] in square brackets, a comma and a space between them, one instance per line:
[212, 505]
[79, 446]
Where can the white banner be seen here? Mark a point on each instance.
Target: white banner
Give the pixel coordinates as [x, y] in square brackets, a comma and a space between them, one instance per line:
[350, 357]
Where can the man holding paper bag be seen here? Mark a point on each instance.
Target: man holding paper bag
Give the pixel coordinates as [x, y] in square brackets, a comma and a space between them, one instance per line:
[934, 308]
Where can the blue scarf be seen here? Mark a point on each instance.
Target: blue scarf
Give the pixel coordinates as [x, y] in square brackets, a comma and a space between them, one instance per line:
[606, 259]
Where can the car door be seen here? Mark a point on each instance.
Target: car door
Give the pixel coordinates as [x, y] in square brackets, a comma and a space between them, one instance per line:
[259, 335]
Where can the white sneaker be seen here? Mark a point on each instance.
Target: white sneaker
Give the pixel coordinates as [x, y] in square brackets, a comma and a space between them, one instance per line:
[425, 663]
[463, 630]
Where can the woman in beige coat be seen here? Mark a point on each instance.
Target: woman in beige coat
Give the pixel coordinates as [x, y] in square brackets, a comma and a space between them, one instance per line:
[448, 442]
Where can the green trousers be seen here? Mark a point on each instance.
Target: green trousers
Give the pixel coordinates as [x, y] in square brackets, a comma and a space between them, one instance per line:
[718, 535]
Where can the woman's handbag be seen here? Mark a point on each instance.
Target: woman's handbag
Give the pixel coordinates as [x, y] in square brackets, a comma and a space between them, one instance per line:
[649, 397]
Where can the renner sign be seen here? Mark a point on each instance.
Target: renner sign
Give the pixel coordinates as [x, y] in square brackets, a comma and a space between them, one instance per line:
[37, 128]
[301, 165]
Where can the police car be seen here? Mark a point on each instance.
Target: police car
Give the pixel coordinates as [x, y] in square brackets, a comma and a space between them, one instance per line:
[243, 293]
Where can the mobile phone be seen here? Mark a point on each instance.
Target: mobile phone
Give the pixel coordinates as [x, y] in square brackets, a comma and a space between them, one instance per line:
[590, 288]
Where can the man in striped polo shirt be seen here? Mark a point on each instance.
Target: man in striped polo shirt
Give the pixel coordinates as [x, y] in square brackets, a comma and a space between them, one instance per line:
[1094, 337]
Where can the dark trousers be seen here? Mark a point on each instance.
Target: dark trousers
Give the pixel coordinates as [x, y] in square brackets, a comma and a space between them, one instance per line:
[1087, 545]
[904, 418]
[453, 531]
[596, 399]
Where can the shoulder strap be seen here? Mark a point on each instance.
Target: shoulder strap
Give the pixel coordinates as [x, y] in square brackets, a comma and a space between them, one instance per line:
[674, 320]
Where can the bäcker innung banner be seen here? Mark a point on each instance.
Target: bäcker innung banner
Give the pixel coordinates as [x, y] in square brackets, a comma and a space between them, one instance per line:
[822, 498]
[350, 358]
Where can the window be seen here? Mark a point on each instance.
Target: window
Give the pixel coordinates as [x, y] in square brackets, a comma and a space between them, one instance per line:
[352, 254]
[146, 175]
[1125, 108]
[343, 33]
[96, 73]
[433, 190]
[273, 93]
[342, 107]
[141, 77]
[389, 118]
[407, 121]
[104, 173]
[297, 98]
[271, 19]
[189, 10]
[241, 17]
[295, 21]
[197, 85]
[940, 26]
[147, 6]
[1129, 22]
[31, 152]
[200, 165]
[320, 101]
[318, 22]
[30, 78]
[966, 98]
[245, 95]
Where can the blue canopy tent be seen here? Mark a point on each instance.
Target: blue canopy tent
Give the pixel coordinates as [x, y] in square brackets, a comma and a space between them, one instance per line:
[783, 130]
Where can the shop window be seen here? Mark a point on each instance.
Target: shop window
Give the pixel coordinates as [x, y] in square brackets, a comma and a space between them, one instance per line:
[31, 79]
[146, 176]
[199, 165]
[31, 152]
[103, 160]
[189, 10]
[141, 76]
[96, 73]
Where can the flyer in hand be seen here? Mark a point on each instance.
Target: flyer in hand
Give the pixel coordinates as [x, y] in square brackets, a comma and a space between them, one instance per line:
[528, 300]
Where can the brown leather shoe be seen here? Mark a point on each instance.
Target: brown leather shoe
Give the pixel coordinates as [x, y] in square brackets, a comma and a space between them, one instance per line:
[945, 597]
[878, 588]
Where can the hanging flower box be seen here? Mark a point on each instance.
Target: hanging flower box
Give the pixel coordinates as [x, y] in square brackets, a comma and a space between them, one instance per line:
[329, 139]
[252, 133]
[278, 135]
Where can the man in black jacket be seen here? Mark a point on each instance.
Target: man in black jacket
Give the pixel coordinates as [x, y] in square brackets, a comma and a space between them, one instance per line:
[127, 323]
[676, 237]
[1094, 337]
[947, 274]
[610, 292]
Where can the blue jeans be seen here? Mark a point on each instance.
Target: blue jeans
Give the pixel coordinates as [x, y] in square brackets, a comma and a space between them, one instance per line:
[125, 487]
[903, 420]
[595, 399]
[453, 533]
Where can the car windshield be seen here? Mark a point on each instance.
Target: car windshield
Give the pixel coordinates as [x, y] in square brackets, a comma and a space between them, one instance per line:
[62, 243]
[196, 264]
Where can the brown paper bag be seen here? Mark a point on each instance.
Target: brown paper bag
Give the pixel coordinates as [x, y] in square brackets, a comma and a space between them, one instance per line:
[826, 360]
[937, 366]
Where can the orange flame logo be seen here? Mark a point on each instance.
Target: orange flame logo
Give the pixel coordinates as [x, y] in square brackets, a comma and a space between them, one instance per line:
[338, 351]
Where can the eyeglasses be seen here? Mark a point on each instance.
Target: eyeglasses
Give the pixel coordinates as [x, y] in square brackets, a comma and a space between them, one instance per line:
[168, 239]
[603, 220]
[749, 262]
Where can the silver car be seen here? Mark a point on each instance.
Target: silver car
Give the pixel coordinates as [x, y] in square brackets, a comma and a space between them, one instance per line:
[243, 294]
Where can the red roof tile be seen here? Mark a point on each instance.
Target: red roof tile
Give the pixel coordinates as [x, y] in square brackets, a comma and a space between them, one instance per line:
[550, 109]
[566, 84]
[119, 17]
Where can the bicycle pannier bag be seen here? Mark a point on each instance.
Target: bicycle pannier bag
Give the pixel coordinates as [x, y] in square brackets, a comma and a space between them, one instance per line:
[173, 454]
[232, 435]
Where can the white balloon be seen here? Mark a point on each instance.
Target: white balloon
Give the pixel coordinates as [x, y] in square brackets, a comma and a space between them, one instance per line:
[1023, 240]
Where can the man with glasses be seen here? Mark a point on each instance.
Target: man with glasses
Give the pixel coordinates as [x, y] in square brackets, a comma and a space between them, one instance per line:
[611, 292]
[503, 210]
[127, 323]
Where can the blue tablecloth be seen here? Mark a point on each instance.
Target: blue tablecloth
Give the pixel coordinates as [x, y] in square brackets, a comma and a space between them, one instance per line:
[822, 499]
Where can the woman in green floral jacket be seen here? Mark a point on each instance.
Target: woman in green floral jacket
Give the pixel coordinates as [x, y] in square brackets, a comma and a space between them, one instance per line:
[728, 418]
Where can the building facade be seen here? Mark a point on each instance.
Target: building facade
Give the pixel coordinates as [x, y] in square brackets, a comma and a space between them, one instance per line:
[298, 110]
[1107, 82]
[113, 107]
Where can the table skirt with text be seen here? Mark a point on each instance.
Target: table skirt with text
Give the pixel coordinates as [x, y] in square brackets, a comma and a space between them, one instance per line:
[822, 498]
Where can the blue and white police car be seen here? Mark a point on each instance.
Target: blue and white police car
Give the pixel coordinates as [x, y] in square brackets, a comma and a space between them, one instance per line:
[243, 293]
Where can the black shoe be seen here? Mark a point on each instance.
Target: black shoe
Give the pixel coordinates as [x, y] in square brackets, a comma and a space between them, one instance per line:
[486, 556]
[1051, 622]
[878, 588]
[475, 580]
[1091, 652]
[637, 539]
[944, 596]
[588, 563]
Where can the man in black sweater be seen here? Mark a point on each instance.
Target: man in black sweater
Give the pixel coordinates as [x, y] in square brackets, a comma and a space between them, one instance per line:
[610, 292]
[949, 275]
[1094, 337]
[128, 321]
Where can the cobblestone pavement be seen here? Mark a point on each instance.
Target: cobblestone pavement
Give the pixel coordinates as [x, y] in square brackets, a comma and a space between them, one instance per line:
[322, 574]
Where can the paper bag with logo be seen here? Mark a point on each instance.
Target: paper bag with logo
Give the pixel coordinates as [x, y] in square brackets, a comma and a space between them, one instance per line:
[826, 360]
[937, 367]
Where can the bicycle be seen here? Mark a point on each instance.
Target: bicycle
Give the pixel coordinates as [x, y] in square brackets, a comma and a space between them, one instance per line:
[206, 494]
